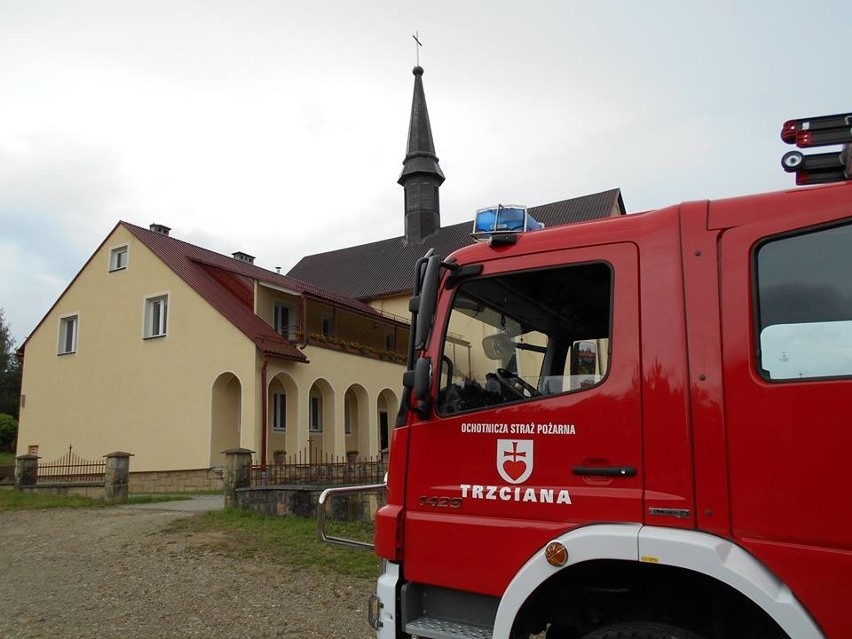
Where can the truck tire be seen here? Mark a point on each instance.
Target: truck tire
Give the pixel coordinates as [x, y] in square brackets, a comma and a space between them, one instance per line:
[641, 630]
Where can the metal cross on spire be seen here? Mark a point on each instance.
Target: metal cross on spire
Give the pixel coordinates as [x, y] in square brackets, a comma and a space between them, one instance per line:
[417, 46]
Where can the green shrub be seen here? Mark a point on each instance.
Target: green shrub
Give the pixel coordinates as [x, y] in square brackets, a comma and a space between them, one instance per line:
[8, 431]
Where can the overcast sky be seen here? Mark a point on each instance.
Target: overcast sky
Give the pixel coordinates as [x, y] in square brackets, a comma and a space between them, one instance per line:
[278, 128]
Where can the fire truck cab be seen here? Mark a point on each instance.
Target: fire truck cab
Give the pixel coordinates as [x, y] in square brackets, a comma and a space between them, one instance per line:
[632, 427]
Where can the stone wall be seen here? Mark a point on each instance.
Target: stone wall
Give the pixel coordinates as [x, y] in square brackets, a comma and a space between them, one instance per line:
[177, 481]
[93, 490]
[300, 500]
[111, 486]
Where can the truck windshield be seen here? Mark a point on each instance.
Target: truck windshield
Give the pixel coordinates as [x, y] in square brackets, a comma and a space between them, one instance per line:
[527, 334]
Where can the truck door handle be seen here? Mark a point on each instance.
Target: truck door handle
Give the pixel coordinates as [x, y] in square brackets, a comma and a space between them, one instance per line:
[604, 471]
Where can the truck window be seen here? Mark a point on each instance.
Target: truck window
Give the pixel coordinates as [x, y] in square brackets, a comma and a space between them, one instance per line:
[805, 305]
[524, 335]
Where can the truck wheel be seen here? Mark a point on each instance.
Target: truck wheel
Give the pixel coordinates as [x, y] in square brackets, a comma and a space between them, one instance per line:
[641, 630]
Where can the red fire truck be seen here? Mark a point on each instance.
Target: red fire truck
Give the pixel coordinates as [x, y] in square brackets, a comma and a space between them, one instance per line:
[636, 427]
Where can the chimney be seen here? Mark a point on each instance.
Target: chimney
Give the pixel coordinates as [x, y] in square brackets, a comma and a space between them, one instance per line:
[162, 229]
[243, 257]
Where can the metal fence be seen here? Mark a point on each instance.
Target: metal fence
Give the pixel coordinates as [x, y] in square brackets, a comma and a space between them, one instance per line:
[7, 474]
[70, 469]
[318, 469]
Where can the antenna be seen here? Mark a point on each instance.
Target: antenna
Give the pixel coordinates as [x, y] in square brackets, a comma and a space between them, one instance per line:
[417, 46]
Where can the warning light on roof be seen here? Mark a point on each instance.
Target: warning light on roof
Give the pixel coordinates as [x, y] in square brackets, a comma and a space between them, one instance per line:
[819, 168]
[501, 220]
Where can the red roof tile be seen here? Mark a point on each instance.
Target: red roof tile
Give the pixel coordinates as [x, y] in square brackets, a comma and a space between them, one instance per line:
[228, 285]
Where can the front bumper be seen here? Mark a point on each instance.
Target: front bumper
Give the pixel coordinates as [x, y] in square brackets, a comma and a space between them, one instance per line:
[382, 608]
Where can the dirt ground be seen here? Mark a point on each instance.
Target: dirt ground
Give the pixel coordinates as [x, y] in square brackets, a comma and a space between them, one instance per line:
[114, 572]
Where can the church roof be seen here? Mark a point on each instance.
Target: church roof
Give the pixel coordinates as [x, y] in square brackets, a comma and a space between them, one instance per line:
[385, 268]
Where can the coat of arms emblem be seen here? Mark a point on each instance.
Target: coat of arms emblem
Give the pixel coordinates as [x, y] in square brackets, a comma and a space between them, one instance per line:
[515, 459]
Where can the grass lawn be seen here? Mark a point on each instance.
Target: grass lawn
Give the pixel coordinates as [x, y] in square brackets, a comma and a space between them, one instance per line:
[290, 540]
[16, 500]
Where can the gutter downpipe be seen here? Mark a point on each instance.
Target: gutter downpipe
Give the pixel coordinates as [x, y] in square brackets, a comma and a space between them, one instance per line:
[303, 320]
[263, 412]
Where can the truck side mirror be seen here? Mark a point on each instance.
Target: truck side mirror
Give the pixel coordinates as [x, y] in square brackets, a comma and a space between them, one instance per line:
[422, 386]
[422, 379]
[418, 380]
[426, 301]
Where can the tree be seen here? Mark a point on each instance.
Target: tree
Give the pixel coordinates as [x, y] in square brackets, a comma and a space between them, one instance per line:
[8, 432]
[10, 372]
[6, 343]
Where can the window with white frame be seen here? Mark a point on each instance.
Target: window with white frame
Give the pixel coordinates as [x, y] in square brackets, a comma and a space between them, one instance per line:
[68, 335]
[118, 258]
[347, 418]
[315, 424]
[156, 316]
[279, 412]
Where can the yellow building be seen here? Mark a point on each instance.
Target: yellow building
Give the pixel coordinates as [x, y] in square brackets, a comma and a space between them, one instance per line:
[175, 353]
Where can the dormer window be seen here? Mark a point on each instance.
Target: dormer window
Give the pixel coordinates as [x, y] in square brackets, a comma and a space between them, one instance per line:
[118, 258]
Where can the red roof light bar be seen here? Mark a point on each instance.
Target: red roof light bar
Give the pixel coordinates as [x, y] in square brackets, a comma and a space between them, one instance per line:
[827, 129]
[819, 168]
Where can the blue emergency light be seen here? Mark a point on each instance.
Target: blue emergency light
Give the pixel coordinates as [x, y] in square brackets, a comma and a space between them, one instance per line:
[500, 219]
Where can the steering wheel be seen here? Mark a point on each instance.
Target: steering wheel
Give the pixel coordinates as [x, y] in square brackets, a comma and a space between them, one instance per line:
[510, 381]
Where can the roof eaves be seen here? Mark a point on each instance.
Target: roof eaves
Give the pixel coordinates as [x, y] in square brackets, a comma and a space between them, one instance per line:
[214, 293]
[19, 352]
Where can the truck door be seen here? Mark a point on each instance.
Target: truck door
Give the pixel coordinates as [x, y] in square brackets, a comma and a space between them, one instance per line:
[536, 420]
[786, 303]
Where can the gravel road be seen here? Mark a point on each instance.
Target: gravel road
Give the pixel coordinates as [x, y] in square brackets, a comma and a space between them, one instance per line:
[112, 572]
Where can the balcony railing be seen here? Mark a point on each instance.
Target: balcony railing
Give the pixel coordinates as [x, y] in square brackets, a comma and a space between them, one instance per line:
[354, 348]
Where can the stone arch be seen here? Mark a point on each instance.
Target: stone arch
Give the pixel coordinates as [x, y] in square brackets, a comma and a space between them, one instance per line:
[321, 420]
[225, 416]
[356, 421]
[387, 406]
[282, 417]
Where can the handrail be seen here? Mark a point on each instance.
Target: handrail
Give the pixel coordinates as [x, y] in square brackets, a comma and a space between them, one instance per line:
[349, 543]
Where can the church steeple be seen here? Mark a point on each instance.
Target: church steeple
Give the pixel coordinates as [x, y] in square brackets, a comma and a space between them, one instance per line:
[421, 175]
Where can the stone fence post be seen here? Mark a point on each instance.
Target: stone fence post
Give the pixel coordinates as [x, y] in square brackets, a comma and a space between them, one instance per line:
[237, 473]
[26, 470]
[117, 477]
